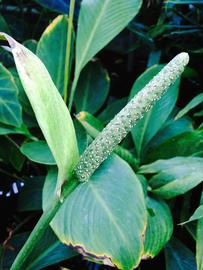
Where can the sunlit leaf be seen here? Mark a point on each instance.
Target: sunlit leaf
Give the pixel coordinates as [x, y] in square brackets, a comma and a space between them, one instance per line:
[50, 110]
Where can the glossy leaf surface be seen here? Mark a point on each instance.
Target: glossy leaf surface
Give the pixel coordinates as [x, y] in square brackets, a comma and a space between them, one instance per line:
[185, 144]
[101, 19]
[109, 206]
[38, 152]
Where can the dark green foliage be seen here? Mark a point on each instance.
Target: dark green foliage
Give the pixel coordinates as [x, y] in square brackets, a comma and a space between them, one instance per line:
[166, 145]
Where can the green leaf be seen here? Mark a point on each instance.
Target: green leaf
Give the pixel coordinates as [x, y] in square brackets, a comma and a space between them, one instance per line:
[99, 22]
[154, 119]
[174, 176]
[6, 129]
[170, 129]
[10, 109]
[198, 214]
[159, 227]
[111, 110]
[192, 104]
[91, 124]
[185, 144]
[38, 152]
[92, 89]
[49, 251]
[50, 110]
[179, 257]
[51, 49]
[105, 217]
[199, 240]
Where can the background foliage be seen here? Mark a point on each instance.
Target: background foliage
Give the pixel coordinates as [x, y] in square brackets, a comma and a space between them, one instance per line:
[167, 142]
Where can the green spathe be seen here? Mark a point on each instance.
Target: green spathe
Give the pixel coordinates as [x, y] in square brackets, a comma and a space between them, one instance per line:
[51, 112]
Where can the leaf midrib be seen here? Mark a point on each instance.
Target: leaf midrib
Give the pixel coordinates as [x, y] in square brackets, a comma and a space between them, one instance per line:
[92, 34]
[111, 217]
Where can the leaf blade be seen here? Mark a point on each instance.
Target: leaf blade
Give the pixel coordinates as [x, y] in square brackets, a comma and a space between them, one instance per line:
[38, 152]
[99, 207]
[159, 227]
[51, 112]
[10, 108]
[106, 19]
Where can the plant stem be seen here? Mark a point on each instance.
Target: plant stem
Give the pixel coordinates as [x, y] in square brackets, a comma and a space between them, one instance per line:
[41, 226]
[68, 49]
[72, 93]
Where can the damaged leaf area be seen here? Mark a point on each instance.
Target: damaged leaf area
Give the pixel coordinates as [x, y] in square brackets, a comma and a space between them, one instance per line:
[105, 218]
[92, 257]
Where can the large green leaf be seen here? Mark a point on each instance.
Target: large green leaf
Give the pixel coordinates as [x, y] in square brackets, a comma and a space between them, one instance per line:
[99, 22]
[154, 119]
[39, 152]
[92, 88]
[170, 129]
[179, 257]
[199, 240]
[10, 109]
[185, 144]
[159, 227]
[50, 110]
[104, 218]
[51, 49]
[174, 176]
[48, 252]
